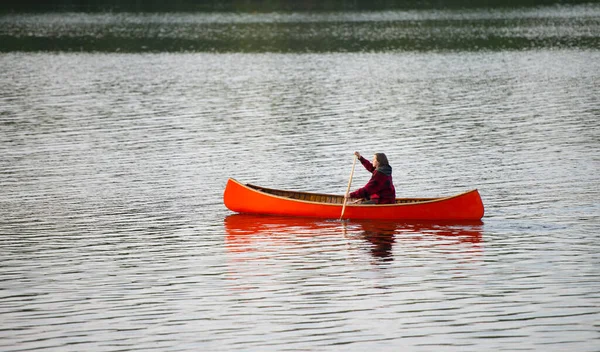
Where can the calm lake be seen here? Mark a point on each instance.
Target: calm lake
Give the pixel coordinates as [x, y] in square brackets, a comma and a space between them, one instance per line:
[118, 133]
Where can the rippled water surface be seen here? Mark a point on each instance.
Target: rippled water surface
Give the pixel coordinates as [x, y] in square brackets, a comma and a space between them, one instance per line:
[115, 238]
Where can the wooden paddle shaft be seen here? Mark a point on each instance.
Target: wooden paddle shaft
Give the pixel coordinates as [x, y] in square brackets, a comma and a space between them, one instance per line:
[348, 188]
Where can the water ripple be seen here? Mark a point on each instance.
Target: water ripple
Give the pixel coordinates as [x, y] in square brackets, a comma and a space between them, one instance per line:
[114, 235]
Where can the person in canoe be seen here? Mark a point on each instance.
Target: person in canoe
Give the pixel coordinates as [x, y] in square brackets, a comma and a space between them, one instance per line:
[380, 188]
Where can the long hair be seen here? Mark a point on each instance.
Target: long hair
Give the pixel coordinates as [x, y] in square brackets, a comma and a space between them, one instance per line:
[382, 159]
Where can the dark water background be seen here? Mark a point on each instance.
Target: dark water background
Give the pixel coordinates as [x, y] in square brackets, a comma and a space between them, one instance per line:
[554, 27]
[112, 167]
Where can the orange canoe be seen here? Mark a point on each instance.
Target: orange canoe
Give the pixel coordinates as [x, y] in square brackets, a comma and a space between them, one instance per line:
[250, 199]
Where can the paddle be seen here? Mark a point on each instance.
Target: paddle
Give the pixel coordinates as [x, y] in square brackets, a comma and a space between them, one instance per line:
[348, 189]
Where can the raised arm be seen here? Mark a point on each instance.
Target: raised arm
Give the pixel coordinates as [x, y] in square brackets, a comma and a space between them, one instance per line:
[366, 163]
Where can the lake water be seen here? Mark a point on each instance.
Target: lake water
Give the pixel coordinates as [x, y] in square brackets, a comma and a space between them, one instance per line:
[113, 165]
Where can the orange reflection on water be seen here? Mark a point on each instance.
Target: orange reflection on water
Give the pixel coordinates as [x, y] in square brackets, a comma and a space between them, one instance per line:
[264, 250]
[247, 232]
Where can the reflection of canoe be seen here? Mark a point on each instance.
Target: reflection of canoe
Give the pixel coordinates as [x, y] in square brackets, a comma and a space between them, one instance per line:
[244, 229]
[461, 231]
[259, 200]
[250, 224]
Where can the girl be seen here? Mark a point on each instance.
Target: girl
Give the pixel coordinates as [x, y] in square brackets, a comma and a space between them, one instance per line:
[380, 188]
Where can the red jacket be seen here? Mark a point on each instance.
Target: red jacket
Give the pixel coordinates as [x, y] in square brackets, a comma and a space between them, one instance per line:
[380, 187]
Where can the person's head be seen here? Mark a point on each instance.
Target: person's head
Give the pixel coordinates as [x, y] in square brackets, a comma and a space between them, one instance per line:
[379, 159]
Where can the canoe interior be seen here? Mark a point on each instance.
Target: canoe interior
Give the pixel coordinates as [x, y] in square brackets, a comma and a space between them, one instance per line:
[325, 198]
